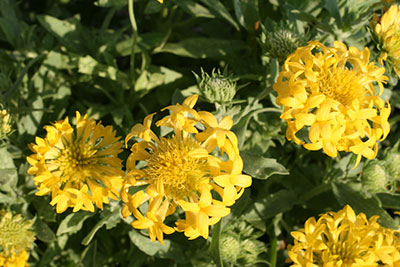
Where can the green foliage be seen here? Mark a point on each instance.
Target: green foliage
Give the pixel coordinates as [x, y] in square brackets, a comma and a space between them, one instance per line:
[62, 56]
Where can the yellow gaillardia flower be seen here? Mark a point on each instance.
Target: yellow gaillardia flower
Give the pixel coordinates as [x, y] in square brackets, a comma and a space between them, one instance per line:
[199, 172]
[344, 239]
[329, 92]
[78, 166]
[5, 125]
[15, 239]
[387, 29]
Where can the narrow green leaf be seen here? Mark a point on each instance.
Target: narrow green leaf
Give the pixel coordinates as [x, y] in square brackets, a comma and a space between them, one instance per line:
[350, 194]
[217, 7]
[89, 255]
[111, 3]
[261, 168]
[333, 9]
[215, 246]
[194, 9]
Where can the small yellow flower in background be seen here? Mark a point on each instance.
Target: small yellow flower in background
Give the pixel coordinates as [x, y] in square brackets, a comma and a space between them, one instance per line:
[387, 29]
[199, 172]
[329, 92]
[78, 166]
[15, 239]
[5, 125]
[344, 239]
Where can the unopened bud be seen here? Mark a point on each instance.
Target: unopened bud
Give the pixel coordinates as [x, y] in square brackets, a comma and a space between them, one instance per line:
[217, 87]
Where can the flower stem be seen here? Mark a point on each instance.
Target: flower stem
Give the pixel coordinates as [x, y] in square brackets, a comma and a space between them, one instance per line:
[134, 39]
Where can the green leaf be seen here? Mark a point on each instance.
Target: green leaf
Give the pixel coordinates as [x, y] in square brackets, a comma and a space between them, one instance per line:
[202, 47]
[110, 219]
[349, 194]
[170, 249]
[66, 31]
[155, 76]
[145, 42]
[43, 231]
[89, 255]
[269, 206]
[215, 248]
[390, 200]
[247, 13]
[30, 122]
[73, 222]
[88, 65]
[217, 7]
[261, 168]
[8, 172]
[333, 9]
[194, 9]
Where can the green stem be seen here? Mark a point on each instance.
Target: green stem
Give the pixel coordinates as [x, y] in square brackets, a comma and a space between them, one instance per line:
[273, 252]
[134, 40]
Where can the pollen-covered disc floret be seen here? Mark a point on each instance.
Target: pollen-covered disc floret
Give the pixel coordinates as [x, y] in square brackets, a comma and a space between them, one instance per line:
[330, 93]
[184, 170]
[77, 165]
[16, 238]
[387, 29]
[344, 239]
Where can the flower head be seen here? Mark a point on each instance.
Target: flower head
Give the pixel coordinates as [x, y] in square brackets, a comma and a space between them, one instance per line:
[182, 171]
[5, 124]
[344, 239]
[77, 165]
[329, 92]
[16, 238]
[387, 29]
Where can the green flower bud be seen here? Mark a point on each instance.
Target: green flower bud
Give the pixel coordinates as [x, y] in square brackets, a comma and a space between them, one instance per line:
[281, 42]
[5, 123]
[230, 249]
[15, 233]
[392, 161]
[375, 177]
[217, 88]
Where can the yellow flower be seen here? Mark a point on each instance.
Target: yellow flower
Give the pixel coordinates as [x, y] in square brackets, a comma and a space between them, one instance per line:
[344, 239]
[179, 171]
[5, 125]
[15, 239]
[388, 32]
[78, 166]
[329, 92]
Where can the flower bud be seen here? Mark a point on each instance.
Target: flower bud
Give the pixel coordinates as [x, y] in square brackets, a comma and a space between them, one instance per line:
[375, 177]
[281, 42]
[392, 161]
[15, 234]
[217, 88]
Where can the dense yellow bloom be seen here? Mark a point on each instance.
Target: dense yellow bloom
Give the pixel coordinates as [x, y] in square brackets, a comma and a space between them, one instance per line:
[5, 126]
[78, 166]
[344, 239]
[329, 92]
[182, 171]
[388, 32]
[15, 239]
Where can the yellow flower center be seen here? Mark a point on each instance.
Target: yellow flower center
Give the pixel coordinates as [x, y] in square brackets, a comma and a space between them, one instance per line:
[171, 165]
[75, 160]
[341, 85]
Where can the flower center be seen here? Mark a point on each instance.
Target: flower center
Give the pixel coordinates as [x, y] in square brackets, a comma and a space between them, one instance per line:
[342, 85]
[171, 165]
[76, 159]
